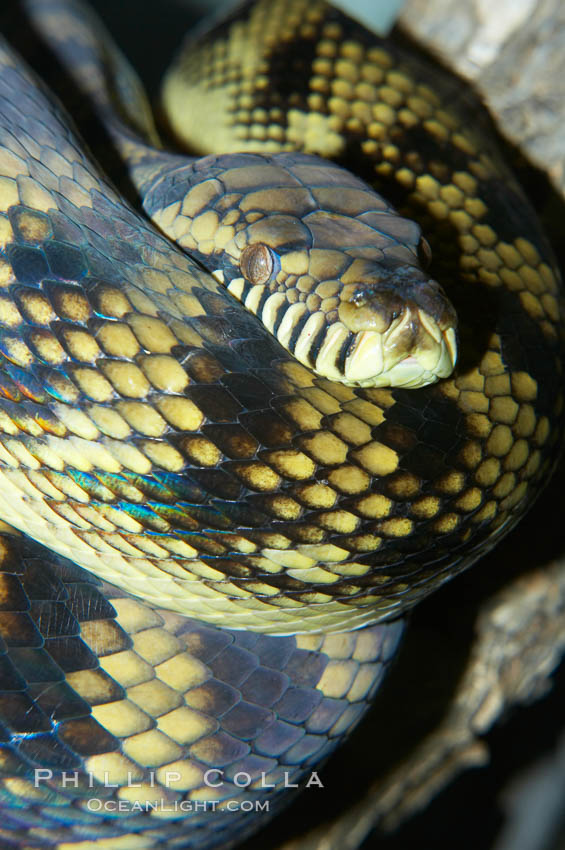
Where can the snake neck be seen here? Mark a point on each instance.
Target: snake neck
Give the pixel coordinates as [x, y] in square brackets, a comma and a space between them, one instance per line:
[97, 79]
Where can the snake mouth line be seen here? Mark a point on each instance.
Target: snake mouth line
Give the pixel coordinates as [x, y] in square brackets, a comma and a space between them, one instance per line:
[414, 350]
[369, 359]
[375, 361]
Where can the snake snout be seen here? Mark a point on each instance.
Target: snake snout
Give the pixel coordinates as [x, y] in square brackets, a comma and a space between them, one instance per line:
[403, 330]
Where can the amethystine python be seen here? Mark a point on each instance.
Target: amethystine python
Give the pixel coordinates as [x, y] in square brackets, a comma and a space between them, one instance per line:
[221, 517]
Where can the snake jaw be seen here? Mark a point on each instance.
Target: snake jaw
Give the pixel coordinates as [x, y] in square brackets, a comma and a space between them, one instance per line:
[403, 330]
[413, 356]
[376, 360]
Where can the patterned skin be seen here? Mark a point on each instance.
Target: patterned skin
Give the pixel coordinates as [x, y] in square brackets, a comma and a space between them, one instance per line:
[196, 732]
[156, 434]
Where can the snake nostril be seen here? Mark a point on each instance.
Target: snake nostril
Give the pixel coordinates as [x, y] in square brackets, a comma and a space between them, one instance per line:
[368, 309]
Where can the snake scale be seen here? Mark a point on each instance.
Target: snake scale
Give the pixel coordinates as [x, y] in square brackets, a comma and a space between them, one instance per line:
[210, 519]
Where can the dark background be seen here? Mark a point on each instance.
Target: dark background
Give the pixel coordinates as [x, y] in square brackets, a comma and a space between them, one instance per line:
[517, 802]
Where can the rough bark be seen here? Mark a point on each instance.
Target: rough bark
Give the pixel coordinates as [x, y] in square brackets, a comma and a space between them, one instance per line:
[513, 51]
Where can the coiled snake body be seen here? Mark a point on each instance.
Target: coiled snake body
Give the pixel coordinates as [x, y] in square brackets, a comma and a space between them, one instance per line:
[155, 433]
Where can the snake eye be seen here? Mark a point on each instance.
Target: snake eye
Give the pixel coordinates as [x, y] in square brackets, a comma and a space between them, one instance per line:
[257, 263]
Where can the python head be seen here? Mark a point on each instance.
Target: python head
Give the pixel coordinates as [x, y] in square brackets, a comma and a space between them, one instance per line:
[328, 265]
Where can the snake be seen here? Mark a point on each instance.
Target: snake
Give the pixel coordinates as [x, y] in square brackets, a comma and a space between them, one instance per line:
[255, 404]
